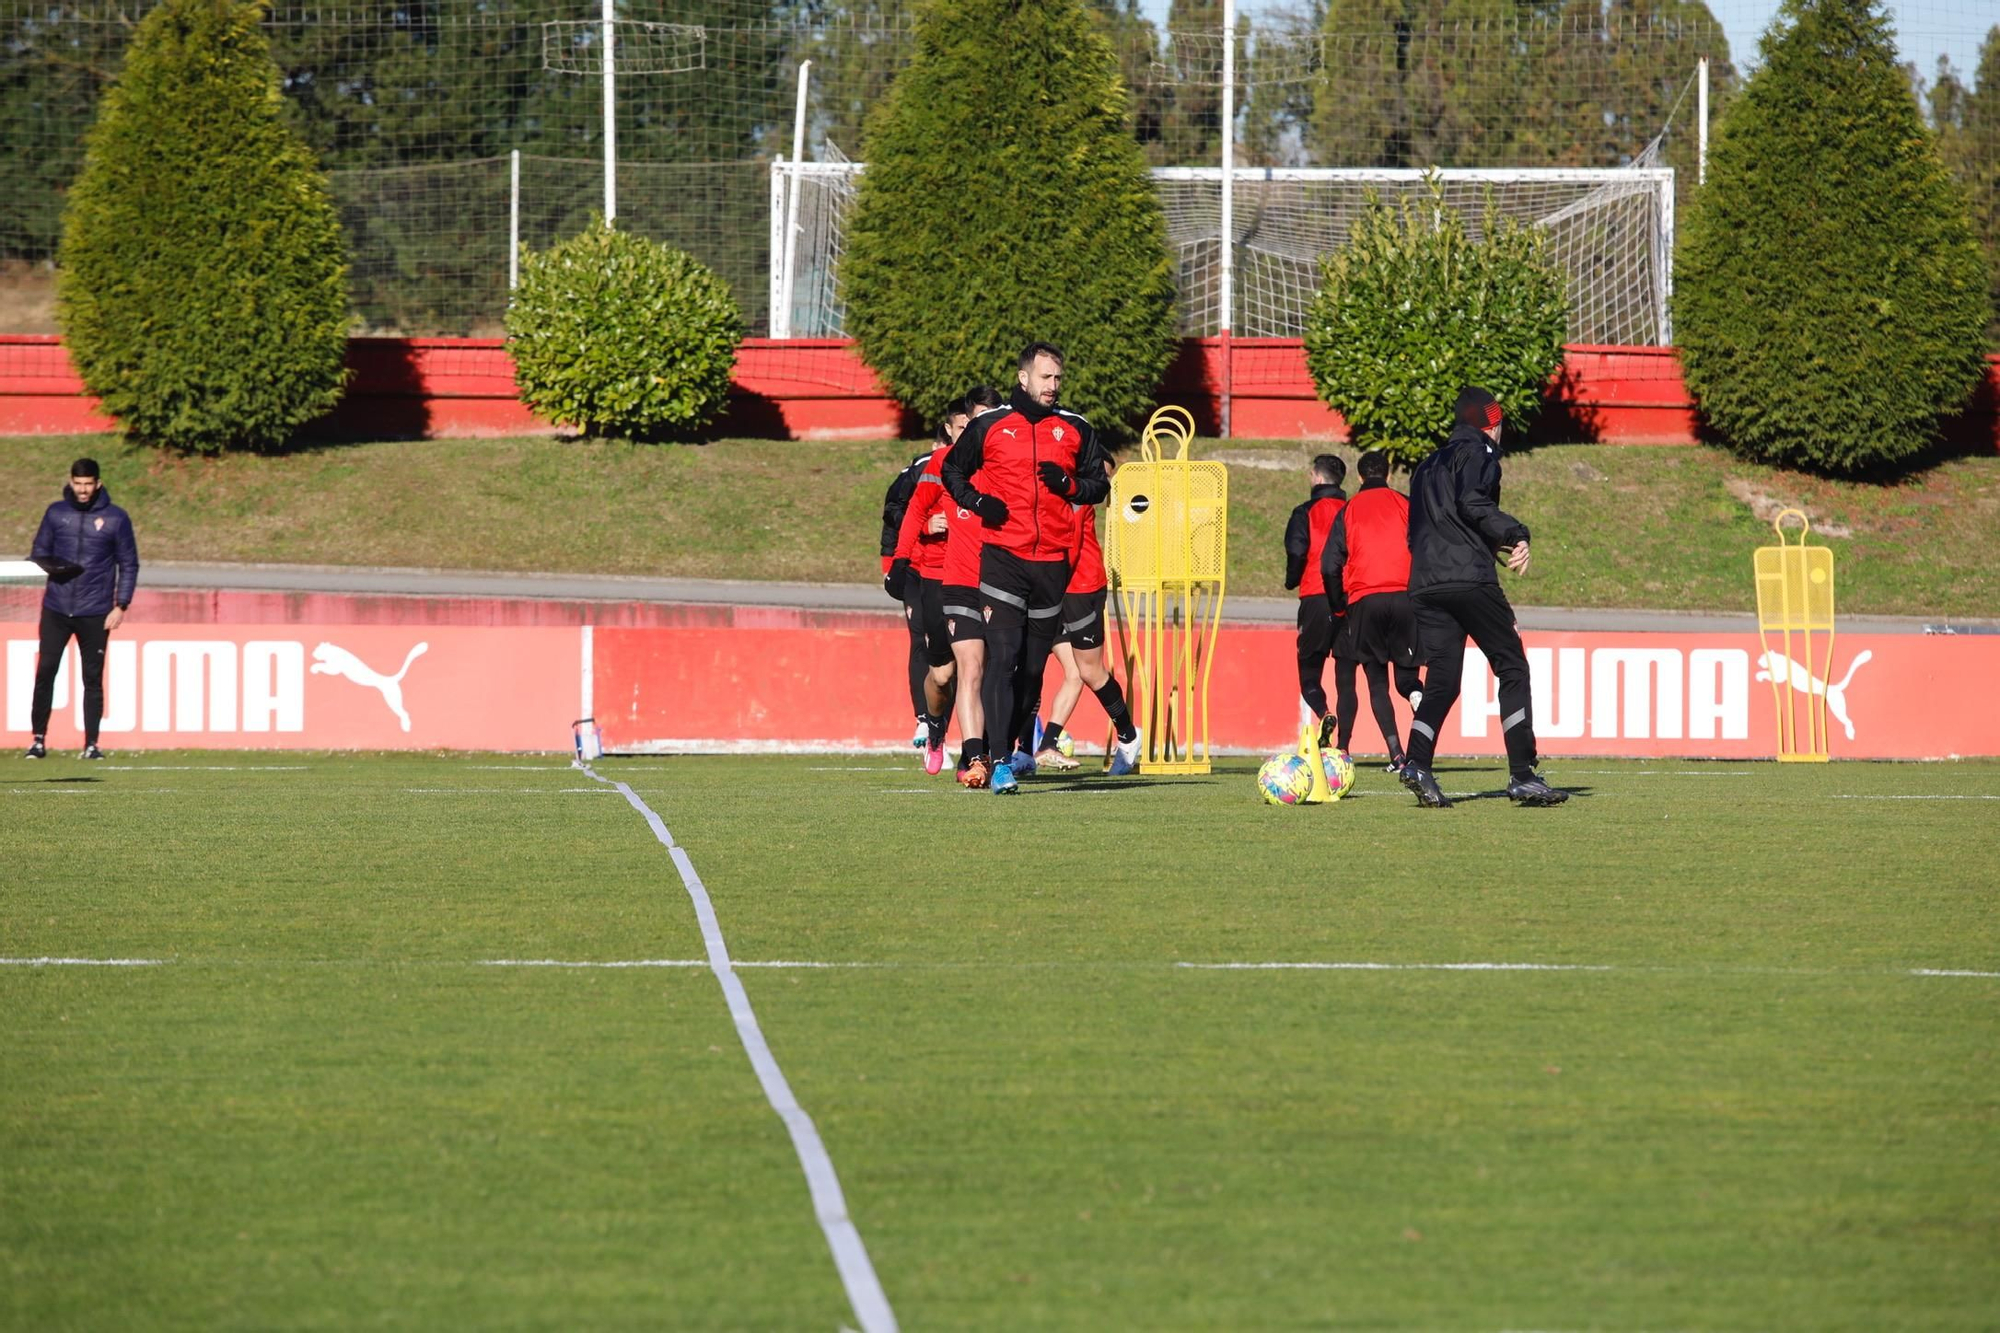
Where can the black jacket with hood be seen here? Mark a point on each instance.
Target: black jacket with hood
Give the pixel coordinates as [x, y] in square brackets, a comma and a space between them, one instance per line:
[1457, 527]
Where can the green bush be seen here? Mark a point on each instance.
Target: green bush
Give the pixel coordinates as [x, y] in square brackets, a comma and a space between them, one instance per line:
[619, 335]
[1413, 307]
[1006, 200]
[202, 281]
[1830, 299]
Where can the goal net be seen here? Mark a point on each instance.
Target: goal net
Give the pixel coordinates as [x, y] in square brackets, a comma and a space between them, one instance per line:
[1610, 230]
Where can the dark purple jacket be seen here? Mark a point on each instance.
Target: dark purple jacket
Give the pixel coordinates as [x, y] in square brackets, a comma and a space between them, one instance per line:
[97, 536]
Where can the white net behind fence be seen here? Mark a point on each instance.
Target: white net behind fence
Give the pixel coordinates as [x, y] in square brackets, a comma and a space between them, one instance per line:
[1610, 230]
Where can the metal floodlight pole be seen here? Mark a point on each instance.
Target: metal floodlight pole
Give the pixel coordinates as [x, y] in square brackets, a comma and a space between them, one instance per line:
[514, 220]
[609, 42]
[1701, 117]
[781, 318]
[1226, 297]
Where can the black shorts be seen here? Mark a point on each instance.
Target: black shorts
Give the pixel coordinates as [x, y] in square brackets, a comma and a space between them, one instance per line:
[1015, 592]
[928, 603]
[959, 605]
[1083, 619]
[1380, 627]
[1318, 629]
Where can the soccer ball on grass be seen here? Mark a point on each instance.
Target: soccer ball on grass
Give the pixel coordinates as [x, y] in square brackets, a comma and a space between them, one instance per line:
[1285, 779]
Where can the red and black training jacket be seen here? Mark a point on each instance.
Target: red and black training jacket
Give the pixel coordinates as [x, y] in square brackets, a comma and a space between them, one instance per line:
[1001, 453]
[1305, 539]
[1368, 547]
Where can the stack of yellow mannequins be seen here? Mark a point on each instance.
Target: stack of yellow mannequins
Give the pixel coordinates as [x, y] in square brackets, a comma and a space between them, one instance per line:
[1166, 548]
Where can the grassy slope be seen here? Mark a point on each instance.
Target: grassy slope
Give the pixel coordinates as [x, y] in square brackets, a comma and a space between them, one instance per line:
[324, 1116]
[1656, 528]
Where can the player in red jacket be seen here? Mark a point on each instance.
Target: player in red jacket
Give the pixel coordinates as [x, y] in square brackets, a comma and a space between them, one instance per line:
[1366, 572]
[1305, 541]
[1080, 649]
[1023, 469]
[919, 567]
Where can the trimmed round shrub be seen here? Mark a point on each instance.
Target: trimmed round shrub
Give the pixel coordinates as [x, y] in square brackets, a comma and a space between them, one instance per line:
[202, 283]
[1006, 200]
[1413, 307]
[1830, 299]
[621, 336]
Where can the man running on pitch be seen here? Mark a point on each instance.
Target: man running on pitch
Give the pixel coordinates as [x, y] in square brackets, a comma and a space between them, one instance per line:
[1080, 649]
[1021, 469]
[1305, 543]
[1366, 569]
[1457, 531]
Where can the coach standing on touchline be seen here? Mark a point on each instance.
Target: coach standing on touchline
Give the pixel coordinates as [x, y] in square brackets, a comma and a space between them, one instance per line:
[86, 528]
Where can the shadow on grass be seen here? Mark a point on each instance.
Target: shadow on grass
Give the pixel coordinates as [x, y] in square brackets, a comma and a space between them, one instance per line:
[51, 781]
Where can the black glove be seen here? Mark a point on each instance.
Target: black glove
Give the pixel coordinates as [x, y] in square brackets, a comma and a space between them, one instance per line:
[991, 509]
[1058, 481]
[896, 579]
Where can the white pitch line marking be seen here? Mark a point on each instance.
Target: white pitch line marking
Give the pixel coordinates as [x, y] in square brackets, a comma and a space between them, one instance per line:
[1977, 796]
[776, 963]
[203, 768]
[52, 791]
[508, 791]
[82, 962]
[1399, 967]
[850, 1255]
[1949, 972]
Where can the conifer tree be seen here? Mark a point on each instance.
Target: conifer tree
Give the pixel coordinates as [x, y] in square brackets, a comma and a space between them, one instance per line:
[1006, 200]
[1830, 300]
[202, 283]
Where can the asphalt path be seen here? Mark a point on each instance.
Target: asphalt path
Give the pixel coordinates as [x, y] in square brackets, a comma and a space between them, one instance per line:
[869, 597]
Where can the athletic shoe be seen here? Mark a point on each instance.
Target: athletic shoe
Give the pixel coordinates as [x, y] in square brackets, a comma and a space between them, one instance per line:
[1056, 762]
[1004, 782]
[1125, 755]
[91, 752]
[1420, 781]
[923, 734]
[1326, 727]
[1531, 790]
[976, 774]
[934, 759]
[1021, 764]
[37, 751]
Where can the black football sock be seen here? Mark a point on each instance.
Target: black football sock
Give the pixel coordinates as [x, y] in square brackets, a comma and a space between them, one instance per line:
[1051, 735]
[936, 727]
[1113, 699]
[975, 748]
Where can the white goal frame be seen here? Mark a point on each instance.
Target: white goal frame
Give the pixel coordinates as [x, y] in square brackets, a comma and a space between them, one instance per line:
[1656, 182]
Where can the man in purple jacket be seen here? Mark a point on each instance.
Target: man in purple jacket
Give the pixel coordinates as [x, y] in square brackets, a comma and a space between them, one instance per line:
[86, 529]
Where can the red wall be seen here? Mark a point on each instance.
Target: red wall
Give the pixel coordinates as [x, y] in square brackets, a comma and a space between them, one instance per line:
[323, 671]
[426, 388]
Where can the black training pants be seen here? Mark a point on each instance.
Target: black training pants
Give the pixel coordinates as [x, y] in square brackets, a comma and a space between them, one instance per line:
[1445, 617]
[1316, 630]
[91, 636]
[1021, 601]
[913, 620]
[1347, 703]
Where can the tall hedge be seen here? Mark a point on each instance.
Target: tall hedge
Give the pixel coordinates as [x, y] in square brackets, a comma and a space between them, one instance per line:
[1006, 199]
[202, 276]
[1830, 299]
[1414, 305]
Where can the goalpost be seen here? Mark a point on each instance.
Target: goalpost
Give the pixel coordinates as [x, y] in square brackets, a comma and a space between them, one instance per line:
[1611, 230]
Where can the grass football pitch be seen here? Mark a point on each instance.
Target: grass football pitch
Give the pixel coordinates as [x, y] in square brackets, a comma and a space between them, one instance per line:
[1751, 1082]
